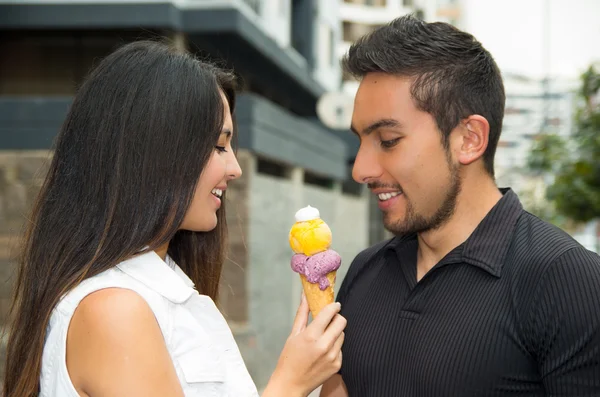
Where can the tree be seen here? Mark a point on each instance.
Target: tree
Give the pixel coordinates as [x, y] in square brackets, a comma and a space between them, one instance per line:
[574, 162]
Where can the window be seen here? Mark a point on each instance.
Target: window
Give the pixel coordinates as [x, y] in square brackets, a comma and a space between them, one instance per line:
[327, 47]
[317, 180]
[332, 57]
[353, 31]
[507, 144]
[351, 188]
[268, 167]
[367, 2]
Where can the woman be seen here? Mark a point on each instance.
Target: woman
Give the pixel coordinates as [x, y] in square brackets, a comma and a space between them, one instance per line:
[129, 221]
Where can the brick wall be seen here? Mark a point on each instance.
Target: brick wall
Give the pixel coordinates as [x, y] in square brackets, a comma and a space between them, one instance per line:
[21, 175]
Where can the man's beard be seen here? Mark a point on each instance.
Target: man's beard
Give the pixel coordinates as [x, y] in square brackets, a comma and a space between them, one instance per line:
[417, 223]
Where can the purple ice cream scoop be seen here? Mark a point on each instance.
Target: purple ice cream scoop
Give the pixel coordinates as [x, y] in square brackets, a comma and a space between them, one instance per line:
[316, 267]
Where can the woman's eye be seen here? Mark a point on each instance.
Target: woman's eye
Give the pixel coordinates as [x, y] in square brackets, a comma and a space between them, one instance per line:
[389, 144]
[221, 149]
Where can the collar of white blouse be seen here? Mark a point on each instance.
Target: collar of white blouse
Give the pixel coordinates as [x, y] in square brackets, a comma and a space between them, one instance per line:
[164, 277]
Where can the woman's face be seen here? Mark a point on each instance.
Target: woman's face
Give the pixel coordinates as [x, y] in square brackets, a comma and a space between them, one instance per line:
[221, 168]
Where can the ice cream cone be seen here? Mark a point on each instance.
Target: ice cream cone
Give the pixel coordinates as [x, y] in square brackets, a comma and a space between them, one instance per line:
[317, 298]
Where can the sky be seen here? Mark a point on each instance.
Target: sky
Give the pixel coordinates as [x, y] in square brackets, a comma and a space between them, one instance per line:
[513, 31]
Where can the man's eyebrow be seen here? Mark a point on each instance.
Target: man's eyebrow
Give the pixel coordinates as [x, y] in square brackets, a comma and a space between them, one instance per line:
[383, 123]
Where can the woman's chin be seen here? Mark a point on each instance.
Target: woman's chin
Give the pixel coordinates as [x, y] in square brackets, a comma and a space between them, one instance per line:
[204, 226]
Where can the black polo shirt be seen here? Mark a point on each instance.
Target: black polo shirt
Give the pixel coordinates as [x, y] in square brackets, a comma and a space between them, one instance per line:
[513, 311]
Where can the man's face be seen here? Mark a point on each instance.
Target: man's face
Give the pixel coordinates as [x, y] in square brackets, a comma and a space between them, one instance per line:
[402, 157]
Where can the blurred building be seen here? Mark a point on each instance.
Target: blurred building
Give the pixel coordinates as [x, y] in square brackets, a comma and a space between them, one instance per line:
[536, 107]
[360, 17]
[285, 52]
[532, 108]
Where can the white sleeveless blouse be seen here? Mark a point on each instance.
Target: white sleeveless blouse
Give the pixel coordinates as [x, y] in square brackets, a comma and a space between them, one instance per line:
[205, 355]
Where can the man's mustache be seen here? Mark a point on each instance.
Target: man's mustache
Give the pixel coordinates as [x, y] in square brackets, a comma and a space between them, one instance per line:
[380, 185]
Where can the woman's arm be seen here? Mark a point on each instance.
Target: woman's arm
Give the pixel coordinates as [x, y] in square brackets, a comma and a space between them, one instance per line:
[115, 348]
[311, 354]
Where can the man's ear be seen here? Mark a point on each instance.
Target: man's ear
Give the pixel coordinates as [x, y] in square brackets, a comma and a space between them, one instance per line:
[474, 132]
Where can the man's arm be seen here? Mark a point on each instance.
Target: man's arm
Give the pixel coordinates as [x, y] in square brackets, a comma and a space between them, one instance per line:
[564, 325]
[334, 387]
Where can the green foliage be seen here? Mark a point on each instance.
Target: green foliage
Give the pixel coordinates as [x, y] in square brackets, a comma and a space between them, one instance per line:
[575, 191]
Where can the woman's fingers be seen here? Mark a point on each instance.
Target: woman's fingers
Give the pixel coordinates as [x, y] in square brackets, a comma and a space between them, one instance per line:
[334, 330]
[337, 346]
[324, 318]
[301, 316]
[337, 350]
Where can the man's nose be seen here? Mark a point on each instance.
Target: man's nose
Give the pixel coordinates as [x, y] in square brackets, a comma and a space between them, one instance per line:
[366, 165]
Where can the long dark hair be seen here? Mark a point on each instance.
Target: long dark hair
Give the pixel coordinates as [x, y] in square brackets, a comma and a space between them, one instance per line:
[126, 163]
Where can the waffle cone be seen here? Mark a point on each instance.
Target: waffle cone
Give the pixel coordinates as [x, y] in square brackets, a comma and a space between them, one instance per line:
[316, 298]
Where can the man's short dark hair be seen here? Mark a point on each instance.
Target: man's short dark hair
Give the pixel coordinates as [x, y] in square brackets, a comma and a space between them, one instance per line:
[454, 76]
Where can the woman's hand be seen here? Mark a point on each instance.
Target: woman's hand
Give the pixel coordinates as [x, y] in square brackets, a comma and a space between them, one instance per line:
[311, 355]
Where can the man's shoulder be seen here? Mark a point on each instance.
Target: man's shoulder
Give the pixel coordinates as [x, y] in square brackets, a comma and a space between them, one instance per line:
[541, 238]
[538, 244]
[360, 263]
[369, 253]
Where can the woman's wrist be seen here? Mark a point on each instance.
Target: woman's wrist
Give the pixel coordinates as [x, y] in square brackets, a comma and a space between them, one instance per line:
[278, 387]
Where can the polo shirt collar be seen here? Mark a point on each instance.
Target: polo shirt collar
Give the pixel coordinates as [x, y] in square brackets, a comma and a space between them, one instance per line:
[488, 246]
[489, 243]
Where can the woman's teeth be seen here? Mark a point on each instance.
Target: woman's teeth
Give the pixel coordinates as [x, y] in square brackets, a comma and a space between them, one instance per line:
[387, 196]
[217, 192]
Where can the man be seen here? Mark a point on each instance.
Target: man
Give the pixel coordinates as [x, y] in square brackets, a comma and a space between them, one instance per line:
[474, 296]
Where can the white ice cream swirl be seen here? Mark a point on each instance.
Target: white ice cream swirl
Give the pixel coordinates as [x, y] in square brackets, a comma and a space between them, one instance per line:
[307, 214]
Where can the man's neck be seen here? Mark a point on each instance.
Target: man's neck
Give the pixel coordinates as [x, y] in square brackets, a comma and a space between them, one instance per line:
[473, 203]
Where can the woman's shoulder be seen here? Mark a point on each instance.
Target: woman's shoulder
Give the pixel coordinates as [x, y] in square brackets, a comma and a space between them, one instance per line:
[109, 329]
[111, 315]
[110, 311]
[112, 303]
[109, 283]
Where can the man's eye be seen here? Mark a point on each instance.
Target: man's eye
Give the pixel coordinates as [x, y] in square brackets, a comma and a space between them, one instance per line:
[389, 144]
[221, 149]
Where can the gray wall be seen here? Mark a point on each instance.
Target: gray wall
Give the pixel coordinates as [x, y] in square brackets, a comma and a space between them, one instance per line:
[273, 288]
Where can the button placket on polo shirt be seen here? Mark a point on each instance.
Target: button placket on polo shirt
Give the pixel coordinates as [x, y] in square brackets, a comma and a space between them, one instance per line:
[420, 292]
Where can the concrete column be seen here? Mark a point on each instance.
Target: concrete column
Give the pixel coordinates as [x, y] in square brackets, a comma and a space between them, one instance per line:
[234, 281]
[297, 178]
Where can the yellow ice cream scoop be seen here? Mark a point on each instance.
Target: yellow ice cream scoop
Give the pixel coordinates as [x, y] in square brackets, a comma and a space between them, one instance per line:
[310, 234]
